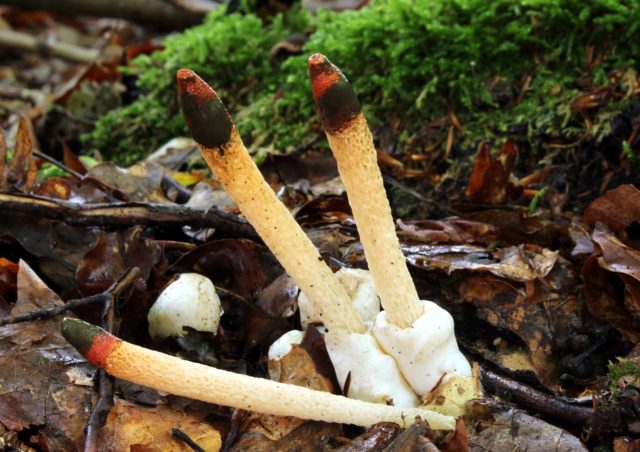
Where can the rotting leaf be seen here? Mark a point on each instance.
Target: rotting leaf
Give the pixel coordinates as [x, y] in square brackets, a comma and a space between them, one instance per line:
[378, 437]
[449, 230]
[497, 427]
[19, 174]
[141, 182]
[49, 400]
[112, 255]
[57, 246]
[232, 264]
[542, 318]
[413, 439]
[617, 208]
[489, 180]
[603, 295]
[518, 263]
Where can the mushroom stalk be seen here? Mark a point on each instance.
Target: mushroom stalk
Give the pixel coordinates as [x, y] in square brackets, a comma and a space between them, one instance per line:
[352, 145]
[176, 376]
[222, 147]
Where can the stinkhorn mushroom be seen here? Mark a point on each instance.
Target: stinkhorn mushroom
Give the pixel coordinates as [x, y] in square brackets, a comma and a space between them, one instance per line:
[176, 376]
[418, 334]
[222, 148]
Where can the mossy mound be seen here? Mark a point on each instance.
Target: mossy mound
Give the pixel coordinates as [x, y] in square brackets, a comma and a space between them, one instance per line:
[495, 64]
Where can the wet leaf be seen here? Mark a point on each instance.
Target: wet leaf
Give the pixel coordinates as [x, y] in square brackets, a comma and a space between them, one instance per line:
[413, 439]
[378, 437]
[497, 427]
[521, 263]
[617, 208]
[49, 400]
[19, 173]
[450, 230]
[489, 180]
[141, 182]
[112, 255]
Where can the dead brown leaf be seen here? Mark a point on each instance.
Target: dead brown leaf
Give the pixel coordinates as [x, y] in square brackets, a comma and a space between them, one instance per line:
[130, 427]
[112, 255]
[489, 180]
[497, 427]
[46, 384]
[18, 174]
[449, 230]
[617, 208]
[518, 263]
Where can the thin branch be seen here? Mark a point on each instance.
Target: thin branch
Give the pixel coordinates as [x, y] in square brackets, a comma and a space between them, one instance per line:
[536, 400]
[155, 12]
[177, 433]
[47, 313]
[24, 41]
[105, 381]
[127, 214]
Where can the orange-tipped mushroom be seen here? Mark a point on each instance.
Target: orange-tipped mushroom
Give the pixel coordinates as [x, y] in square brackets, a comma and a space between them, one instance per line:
[222, 147]
[176, 376]
[352, 145]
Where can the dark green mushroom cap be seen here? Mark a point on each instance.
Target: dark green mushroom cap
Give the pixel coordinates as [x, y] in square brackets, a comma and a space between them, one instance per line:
[206, 116]
[336, 101]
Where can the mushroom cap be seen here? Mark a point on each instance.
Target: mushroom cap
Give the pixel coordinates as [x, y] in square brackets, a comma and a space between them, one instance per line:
[204, 112]
[336, 101]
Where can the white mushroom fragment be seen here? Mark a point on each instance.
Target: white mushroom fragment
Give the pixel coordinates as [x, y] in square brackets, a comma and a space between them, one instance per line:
[191, 300]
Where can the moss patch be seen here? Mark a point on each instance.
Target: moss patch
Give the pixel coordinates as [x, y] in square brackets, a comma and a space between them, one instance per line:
[409, 61]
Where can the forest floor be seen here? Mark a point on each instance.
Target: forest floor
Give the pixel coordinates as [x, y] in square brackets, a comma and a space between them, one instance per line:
[536, 257]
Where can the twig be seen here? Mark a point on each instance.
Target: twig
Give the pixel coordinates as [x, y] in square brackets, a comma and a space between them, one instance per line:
[127, 214]
[177, 433]
[105, 381]
[536, 400]
[24, 41]
[400, 186]
[62, 166]
[194, 6]
[155, 12]
[47, 313]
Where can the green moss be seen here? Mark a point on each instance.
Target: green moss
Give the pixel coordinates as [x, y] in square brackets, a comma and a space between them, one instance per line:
[409, 59]
[621, 374]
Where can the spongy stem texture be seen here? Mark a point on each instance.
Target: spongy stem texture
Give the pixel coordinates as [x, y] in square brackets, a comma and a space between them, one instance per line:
[353, 148]
[242, 180]
[196, 381]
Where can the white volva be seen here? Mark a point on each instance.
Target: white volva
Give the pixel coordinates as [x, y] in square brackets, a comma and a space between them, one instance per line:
[426, 351]
[191, 300]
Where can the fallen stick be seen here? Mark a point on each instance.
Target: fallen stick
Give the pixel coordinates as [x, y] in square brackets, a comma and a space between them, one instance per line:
[196, 381]
[24, 41]
[126, 214]
[153, 12]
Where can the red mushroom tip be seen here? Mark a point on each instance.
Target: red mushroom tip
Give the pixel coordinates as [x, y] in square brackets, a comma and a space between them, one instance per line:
[204, 112]
[91, 341]
[336, 101]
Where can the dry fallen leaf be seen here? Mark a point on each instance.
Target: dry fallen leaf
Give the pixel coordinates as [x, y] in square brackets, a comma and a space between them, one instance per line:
[130, 427]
